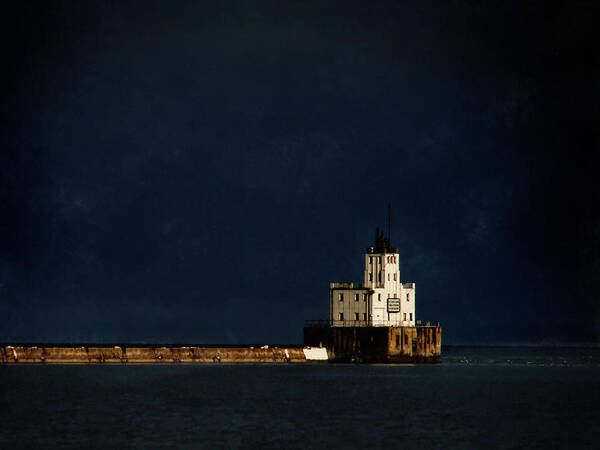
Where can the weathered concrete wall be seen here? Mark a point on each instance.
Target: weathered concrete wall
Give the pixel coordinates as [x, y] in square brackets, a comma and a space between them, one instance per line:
[378, 344]
[27, 354]
[183, 354]
[105, 355]
[64, 355]
[345, 344]
[415, 342]
[140, 354]
[241, 354]
[149, 355]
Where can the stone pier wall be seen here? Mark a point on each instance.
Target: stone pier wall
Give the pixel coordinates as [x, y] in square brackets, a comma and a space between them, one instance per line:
[148, 355]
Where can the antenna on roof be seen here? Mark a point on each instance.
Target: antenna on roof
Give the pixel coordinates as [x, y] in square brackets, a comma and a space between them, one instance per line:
[390, 223]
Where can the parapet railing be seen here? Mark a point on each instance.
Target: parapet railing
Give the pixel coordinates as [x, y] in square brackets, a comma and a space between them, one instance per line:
[363, 323]
[348, 285]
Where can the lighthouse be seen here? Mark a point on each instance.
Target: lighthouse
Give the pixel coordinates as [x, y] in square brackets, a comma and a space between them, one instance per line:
[374, 320]
[381, 299]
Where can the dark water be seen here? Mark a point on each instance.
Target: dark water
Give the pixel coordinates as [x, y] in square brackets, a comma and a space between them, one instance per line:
[478, 398]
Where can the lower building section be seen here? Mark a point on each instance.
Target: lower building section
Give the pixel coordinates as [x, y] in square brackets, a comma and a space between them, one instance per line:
[420, 344]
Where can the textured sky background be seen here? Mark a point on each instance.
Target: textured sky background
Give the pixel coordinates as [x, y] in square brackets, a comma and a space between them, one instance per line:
[195, 172]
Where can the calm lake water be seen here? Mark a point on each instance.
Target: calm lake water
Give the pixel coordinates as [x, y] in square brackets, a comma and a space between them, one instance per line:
[477, 398]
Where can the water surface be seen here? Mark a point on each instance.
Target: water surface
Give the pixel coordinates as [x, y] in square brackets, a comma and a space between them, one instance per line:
[478, 397]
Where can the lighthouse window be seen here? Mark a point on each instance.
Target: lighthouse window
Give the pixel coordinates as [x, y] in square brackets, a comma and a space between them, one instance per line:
[370, 277]
[394, 277]
[388, 277]
[408, 297]
[404, 316]
[364, 316]
[356, 297]
[341, 316]
[410, 316]
[378, 297]
[364, 297]
[370, 260]
[341, 296]
[355, 316]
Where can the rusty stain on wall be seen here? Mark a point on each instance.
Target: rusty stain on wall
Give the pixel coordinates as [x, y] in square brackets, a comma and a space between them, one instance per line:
[378, 344]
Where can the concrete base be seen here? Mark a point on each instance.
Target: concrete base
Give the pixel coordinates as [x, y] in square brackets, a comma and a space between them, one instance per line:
[378, 344]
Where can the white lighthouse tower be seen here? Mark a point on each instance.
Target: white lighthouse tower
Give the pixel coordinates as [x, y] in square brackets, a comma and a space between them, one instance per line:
[382, 299]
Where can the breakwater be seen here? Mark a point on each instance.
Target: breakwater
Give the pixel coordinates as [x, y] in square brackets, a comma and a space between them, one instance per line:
[322, 343]
[156, 355]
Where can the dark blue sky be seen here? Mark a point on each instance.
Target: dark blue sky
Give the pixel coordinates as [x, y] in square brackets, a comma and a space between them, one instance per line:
[194, 172]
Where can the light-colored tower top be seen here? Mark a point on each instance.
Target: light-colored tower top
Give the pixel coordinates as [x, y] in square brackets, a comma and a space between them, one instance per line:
[381, 264]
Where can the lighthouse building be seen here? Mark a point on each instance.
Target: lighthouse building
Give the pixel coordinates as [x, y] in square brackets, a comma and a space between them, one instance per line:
[382, 299]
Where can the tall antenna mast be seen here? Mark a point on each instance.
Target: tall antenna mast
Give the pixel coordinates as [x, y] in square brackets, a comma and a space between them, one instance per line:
[390, 223]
